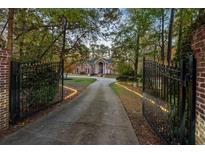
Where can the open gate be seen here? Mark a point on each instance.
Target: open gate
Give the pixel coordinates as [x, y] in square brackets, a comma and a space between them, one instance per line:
[33, 87]
[172, 91]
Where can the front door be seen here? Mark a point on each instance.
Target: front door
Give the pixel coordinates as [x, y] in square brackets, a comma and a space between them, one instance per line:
[100, 68]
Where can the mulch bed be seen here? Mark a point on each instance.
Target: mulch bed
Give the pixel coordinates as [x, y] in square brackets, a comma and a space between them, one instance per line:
[133, 106]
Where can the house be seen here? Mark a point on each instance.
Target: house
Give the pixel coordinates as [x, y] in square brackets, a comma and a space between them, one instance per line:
[94, 66]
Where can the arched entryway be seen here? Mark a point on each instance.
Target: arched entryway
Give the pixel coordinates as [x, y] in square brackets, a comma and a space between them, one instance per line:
[100, 68]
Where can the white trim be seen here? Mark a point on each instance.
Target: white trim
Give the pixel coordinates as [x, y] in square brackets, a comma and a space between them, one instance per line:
[100, 59]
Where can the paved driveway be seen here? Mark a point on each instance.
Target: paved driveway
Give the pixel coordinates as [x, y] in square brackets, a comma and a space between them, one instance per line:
[94, 117]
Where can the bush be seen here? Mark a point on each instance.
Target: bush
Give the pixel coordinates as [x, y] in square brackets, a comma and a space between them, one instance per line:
[39, 83]
[125, 69]
[122, 78]
[125, 78]
[44, 94]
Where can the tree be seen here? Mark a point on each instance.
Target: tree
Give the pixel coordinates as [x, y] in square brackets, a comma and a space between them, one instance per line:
[169, 48]
[162, 36]
[37, 33]
[10, 30]
[180, 32]
[3, 25]
[131, 37]
[99, 50]
[184, 19]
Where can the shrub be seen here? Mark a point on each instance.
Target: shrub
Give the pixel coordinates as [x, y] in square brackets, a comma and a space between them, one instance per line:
[125, 78]
[125, 69]
[40, 83]
[122, 78]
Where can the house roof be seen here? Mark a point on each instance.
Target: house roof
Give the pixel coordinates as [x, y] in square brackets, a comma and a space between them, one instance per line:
[93, 60]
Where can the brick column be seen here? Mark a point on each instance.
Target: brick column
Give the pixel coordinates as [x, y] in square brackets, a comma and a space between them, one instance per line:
[4, 89]
[198, 46]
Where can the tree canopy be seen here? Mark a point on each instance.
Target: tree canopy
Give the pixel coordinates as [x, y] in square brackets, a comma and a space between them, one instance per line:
[161, 34]
[75, 35]
[37, 34]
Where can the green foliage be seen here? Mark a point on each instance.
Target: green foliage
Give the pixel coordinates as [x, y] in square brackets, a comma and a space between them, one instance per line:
[185, 47]
[41, 84]
[44, 94]
[132, 38]
[145, 32]
[99, 50]
[125, 69]
[126, 72]
[185, 19]
[38, 32]
[135, 32]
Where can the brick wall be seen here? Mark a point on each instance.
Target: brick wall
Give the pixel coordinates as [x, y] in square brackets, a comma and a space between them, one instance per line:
[4, 89]
[198, 46]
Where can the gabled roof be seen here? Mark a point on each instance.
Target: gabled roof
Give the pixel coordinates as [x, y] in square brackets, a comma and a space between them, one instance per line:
[94, 60]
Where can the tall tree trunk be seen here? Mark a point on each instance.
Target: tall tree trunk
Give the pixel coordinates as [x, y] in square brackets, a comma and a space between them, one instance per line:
[162, 36]
[169, 49]
[64, 39]
[155, 49]
[21, 43]
[136, 57]
[10, 30]
[180, 34]
[63, 53]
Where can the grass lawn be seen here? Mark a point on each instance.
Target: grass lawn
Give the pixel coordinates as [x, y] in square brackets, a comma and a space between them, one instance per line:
[133, 106]
[78, 82]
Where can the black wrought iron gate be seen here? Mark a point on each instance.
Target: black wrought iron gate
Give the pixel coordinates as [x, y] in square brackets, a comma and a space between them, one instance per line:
[173, 89]
[34, 86]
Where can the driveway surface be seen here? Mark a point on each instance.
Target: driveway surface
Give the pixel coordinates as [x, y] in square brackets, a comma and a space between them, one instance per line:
[96, 116]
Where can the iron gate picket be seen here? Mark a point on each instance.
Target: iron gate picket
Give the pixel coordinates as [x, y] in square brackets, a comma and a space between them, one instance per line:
[33, 87]
[172, 114]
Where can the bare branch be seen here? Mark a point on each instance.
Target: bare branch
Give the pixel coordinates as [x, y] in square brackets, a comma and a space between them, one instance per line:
[4, 27]
[44, 53]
